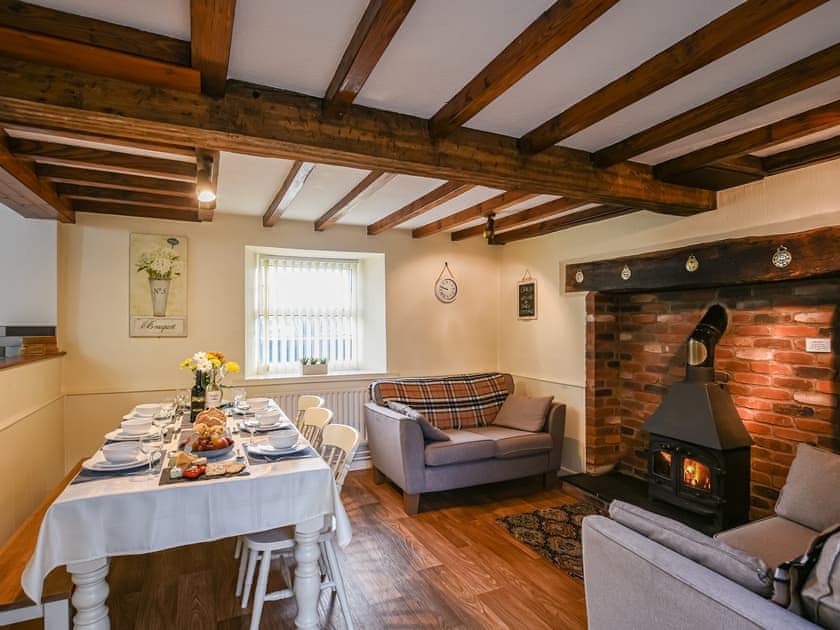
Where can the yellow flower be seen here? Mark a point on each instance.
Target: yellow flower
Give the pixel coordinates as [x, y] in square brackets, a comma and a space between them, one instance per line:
[185, 363]
[232, 366]
[215, 362]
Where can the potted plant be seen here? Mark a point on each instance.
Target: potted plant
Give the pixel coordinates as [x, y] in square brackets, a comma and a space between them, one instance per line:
[160, 265]
[311, 366]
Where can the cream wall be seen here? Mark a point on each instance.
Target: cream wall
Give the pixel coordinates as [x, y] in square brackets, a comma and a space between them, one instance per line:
[107, 372]
[547, 354]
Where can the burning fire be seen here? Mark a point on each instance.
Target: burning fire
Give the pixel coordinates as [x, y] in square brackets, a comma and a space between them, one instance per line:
[696, 475]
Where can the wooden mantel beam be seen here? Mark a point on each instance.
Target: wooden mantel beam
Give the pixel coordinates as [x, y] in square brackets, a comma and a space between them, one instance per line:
[545, 35]
[274, 123]
[369, 185]
[292, 185]
[486, 208]
[380, 22]
[739, 26]
[211, 24]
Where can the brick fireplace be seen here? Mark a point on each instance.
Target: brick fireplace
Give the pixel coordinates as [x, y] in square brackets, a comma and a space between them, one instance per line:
[785, 395]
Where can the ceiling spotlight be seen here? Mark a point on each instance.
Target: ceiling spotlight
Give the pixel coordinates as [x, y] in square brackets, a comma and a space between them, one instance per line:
[489, 233]
[203, 187]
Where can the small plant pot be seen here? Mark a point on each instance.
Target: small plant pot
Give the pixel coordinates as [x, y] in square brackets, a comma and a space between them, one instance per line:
[319, 368]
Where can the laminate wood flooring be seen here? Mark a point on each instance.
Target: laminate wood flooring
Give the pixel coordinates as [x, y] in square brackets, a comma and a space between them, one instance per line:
[451, 566]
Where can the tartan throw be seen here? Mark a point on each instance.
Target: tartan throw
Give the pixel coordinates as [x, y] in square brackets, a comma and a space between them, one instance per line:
[448, 402]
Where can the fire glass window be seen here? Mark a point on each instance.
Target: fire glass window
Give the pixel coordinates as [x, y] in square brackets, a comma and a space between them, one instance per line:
[697, 475]
[662, 464]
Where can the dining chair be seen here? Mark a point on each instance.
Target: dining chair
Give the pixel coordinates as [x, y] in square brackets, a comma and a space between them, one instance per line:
[339, 446]
[314, 421]
[306, 402]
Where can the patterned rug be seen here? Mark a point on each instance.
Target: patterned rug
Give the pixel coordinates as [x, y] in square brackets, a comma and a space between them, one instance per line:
[554, 533]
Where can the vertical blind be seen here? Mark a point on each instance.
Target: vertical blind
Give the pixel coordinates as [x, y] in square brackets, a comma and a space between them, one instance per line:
[306, 308]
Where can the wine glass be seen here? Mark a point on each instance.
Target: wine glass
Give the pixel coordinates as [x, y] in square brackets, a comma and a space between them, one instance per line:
[239, 399]
[251, 424]
[151, 443]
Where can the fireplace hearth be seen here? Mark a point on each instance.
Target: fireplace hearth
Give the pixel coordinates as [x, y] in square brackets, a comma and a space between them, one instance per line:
[699, 449]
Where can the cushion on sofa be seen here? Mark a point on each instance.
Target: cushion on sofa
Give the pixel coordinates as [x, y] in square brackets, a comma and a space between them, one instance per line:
[512, 443]
[809, 496]
[750, 572]
[430, 432]
[773, 539]
[462, 446]
[524, 413]
[821, 591]
[448, 402]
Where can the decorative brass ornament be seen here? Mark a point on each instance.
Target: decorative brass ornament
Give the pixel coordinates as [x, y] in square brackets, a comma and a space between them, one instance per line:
[579, 276]
[782, 258]
[692, 264]
[626, 273]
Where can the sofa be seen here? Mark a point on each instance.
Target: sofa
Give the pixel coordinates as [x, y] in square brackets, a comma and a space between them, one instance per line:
[473, 449]
[645, 571]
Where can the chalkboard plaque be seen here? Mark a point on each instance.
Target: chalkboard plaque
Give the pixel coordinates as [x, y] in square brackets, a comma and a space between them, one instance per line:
[527, 293]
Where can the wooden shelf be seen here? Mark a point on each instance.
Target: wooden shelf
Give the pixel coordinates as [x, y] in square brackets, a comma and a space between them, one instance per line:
[8, 363]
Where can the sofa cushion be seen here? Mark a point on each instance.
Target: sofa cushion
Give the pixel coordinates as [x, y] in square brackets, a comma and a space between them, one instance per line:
[809, 495]
[750, 572]
[430, 432]
[773, 539]
[462, 446]
[448, 402]
[821, 591]
[523, 413]
[512, 443]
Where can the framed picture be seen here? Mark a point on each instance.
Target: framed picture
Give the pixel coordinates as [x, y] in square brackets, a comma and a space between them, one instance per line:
[527, 294]
[157, 286]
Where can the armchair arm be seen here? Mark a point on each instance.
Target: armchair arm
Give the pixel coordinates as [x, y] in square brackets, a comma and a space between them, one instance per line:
[396, 447]
[556, 427]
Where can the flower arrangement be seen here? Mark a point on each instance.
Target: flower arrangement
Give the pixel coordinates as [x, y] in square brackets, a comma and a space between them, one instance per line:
[211, 362]
[160, 263]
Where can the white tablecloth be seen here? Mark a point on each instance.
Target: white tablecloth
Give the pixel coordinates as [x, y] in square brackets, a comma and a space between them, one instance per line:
[121, 516]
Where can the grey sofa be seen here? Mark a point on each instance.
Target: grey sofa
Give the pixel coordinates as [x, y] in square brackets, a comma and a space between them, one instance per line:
[472, 456]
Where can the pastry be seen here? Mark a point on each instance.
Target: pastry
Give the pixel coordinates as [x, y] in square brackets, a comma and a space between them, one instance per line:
[215, 469]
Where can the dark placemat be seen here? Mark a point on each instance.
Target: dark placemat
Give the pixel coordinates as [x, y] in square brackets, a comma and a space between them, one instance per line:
[85, 475]
[256, 460]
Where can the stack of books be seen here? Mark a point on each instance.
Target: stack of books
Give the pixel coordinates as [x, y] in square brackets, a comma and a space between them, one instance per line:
[27, 341]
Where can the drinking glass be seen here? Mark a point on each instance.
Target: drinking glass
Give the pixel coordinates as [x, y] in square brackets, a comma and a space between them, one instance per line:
[150, 444]
[251, 424]
[238, 398]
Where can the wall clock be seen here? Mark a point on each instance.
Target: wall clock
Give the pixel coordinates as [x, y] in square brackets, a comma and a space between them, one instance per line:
[446, 288]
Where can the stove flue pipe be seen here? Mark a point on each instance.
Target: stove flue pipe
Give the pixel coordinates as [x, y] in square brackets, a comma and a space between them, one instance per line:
[702, 342]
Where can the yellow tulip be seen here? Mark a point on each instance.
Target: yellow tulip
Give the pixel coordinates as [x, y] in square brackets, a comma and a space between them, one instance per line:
[232, 366]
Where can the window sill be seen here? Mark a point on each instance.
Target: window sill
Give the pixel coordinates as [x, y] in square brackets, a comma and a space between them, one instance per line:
[332, 377]
[12, 362]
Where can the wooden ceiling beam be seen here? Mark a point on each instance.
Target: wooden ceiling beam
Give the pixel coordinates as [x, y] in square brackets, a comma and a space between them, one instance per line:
[380, 22]
[129, 210]
[547, 209]
[211, 25]
[802, 156]
[64, 53]
[290, 188]
[739, 26]
[22, 190]
[131, 164]
[275, 123]
[484, 209]
[432, 199]
[116, 181]
[796, 77]
[547, 34]
[575, 219]
[365, 188]
[84, 30]
[111, 195]
[790, 128]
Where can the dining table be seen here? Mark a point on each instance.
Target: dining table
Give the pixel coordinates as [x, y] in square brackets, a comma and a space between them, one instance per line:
[97, 518]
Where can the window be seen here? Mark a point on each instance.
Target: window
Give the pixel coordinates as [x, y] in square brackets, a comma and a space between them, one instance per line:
[310, 304]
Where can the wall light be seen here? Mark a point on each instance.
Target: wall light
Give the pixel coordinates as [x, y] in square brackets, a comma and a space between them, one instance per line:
[203, 187]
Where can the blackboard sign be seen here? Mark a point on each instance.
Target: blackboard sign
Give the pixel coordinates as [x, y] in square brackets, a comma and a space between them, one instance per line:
[527, 291]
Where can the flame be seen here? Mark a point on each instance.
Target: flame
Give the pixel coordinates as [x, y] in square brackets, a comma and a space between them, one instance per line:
[696, 475]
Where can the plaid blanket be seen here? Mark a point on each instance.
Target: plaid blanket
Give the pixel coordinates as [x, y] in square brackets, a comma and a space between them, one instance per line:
[448, 402]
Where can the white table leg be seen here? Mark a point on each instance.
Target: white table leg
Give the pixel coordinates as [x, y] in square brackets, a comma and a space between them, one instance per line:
[90, 594]
[307, 573]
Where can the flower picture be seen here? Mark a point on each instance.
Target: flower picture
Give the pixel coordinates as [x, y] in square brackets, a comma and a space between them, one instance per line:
[157, 285]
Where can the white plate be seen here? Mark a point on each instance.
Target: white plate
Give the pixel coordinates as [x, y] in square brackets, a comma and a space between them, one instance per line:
[268, 449]
[100, 464]
[117, 435]
[283, 424]
[272, 406]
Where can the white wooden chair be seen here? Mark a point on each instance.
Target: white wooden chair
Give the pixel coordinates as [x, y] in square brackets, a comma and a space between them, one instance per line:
[339, 446]
[306, 402]
[314, 421]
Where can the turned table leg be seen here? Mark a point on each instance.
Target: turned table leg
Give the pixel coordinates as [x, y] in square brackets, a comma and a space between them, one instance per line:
[307, 572]
[90, 594]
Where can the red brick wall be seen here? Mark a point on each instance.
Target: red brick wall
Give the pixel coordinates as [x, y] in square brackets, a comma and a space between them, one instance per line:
[784, 394]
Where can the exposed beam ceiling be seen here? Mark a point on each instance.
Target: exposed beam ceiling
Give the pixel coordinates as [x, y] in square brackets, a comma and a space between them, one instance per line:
[290, 188]
[275, 123]
[432, 199]
[802, 156]
[211, 24]
[547, 209]
[556, 26]
[369, 185]
[100, 61]
[791, 128]
[117, 181]
[484, 209]
[746, 22]
[128, 210]
[800, 75]
[85, 30]
[23, 192]
[90, 193]
[590, 215]
[375, 30]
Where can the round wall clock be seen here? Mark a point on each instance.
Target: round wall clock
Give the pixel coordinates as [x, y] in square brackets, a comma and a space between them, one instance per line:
[446, 289]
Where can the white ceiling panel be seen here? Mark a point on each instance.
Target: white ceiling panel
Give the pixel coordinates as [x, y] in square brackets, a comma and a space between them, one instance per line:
[292, 44]
[440, 46]
[618, 41]
[325, 186]
[834, 132]
[247, 184]
[165, 17]
[401, 190]
[470, 198]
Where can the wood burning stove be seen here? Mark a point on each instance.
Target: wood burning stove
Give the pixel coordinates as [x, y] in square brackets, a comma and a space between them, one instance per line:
[699, 450]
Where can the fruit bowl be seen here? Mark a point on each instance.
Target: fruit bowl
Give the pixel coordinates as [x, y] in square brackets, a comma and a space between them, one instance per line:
[209, 446]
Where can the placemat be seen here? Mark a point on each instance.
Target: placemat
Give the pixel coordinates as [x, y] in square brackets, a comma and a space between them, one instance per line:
[256, 460]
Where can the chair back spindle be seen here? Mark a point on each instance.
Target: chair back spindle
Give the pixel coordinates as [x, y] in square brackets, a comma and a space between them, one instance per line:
[338, 447]
[314, 421]
[306, 402]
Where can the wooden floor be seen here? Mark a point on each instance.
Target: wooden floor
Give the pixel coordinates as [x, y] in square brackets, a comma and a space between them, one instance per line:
[451, 566]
